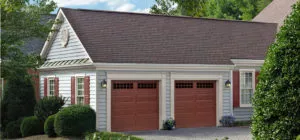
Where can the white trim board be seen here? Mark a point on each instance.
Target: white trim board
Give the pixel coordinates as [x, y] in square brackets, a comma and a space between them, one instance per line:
[187, 76]
[161, 67]
[137, 76]
[247, 62]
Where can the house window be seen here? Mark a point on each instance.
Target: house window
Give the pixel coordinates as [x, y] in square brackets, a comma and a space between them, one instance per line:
[246, 87]
[51, 87]
[79, 90]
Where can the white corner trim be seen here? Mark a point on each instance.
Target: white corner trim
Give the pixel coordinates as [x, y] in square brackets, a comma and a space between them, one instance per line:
[108, 105]
[231, 92]
[187, 76]
[160, 76]
[247, 62]
[162, 67]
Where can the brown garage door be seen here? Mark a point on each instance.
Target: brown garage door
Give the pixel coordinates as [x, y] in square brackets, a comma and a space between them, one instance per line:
[195, 103]
[134, 105]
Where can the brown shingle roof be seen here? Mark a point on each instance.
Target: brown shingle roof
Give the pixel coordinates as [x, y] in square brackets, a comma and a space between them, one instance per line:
[116, 37]
[275, 12]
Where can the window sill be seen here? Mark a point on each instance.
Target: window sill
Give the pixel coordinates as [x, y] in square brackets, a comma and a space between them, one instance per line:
[245, 105]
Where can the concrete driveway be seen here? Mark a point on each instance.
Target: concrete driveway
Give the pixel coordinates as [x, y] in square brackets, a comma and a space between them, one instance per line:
[207, 133]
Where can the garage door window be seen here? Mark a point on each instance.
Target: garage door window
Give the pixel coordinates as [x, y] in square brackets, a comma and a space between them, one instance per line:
[205, 85]
[147, 85]
[246, 87]
[123, 86]
[79, 90]
[184, 85]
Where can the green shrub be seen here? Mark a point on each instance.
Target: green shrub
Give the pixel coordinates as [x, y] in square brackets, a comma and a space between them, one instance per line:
[49, 126]
[298, 137]
[75, 120]
[13, 129]
[242, 123]
[48, 106]
[18, 101]
[277, 98]
[31, 126]
[110, 136]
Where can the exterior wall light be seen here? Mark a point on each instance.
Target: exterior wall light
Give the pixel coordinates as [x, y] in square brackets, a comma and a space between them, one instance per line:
[227, 84]
[103, 83]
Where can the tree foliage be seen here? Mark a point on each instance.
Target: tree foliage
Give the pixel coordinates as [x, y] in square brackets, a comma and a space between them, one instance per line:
[164, 7]
[22, 20]
[18, 100]
[232, 9]
[277, 97]
[224, 9]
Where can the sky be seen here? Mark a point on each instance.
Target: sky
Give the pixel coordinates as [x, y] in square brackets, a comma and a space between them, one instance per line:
[141, 6]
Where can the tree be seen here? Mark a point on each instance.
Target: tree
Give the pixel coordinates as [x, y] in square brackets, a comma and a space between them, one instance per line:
[277, 98]
[18, 100]
[261, 4]
[232, 9]
[223, 9]
[22, 20]
[193, 8]
[164, 7]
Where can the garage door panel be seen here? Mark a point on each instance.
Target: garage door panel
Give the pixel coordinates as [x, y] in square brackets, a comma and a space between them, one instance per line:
[122, 98]
[122, 124]
[195, 106]
[134, 105]
[123, 105]
[146, 123]
[149, 98]
[185, 97]
[152, 110]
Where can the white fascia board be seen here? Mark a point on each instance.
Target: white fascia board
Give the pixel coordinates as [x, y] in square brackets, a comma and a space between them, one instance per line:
[162, 67]
[247, 62]
[81, 66]
[51, 35]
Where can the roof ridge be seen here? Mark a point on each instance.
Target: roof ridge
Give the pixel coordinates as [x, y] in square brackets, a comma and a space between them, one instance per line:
[169, 16]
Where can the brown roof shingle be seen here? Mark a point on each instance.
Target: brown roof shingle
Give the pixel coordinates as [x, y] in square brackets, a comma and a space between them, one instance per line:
[116, 37]
[275, 12]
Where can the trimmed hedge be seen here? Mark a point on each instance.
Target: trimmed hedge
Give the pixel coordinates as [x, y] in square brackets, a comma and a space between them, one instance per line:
[48, 106]
[49, 126]
[298, 137]
[276, 101]
[31, 126]
[13, 129]
[75, 120]
[110, 136]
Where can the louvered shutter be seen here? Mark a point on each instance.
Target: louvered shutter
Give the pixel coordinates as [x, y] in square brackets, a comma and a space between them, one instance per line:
[236, 88]
[72, 90]
[56, 86]
[45, 87]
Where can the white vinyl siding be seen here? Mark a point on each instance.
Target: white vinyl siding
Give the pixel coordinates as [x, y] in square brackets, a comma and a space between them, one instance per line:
[247, 79]
[79, 90]
[50, 87]
[73, 50]
[65, 83]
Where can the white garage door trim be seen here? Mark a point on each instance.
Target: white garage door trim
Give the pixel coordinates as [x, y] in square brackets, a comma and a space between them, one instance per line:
[190, 76]
[137, 76]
